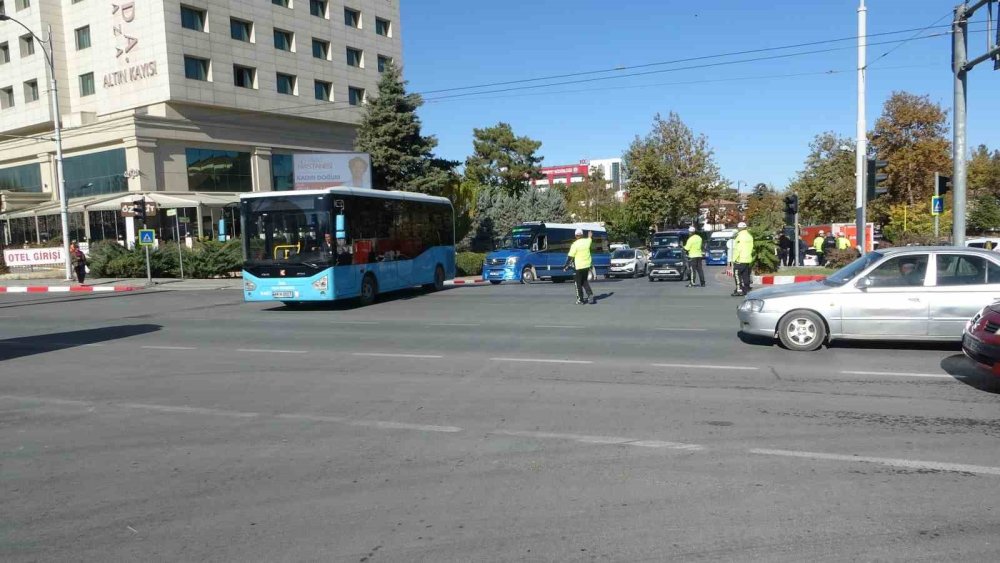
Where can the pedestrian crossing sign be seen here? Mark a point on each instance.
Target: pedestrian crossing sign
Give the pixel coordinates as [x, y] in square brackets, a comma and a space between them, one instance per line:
[146, 237]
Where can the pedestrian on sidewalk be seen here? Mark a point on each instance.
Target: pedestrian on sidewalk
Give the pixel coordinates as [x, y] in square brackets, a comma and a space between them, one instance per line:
[579, 257]
[79, 261]
[743, 257]
[696, 257]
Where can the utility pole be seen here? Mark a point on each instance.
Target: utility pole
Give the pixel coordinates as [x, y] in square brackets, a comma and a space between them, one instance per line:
[861, 150]
[960, 67]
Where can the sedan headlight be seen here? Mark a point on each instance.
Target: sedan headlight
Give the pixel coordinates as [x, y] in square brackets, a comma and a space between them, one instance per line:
[322, 283]
[752, 305]
[512, 261]
[249, 285]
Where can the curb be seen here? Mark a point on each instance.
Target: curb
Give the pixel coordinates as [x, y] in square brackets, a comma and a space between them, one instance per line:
[64, 288]
[782, 280]
[465, 282]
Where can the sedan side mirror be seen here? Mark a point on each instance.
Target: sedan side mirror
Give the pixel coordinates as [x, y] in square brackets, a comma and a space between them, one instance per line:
[864, 283]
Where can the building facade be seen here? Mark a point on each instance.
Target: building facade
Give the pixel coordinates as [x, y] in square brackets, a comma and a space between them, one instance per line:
[192, 96]
[574, 173]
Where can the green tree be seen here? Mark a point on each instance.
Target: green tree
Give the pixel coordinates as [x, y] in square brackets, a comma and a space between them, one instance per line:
[911, 135]
[826, 184]
[624, 224]
[914, 223]
[501, 159]
[766, 209]
[587, 200]
[498, 211]
[984, 172]
[670, 171]
[984, 213]
[402, 158]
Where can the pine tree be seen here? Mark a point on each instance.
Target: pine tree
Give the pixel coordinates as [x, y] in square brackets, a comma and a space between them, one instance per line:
[402, 158]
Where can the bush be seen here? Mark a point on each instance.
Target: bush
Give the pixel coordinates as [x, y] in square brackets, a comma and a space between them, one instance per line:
[765, 252]
[836, 259]
[469, 263]
[208, 259]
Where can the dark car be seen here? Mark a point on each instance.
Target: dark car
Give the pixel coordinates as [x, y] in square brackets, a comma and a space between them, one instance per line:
[668, 264]
[981, 341]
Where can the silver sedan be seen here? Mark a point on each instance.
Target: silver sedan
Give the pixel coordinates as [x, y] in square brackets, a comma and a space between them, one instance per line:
[907, 293]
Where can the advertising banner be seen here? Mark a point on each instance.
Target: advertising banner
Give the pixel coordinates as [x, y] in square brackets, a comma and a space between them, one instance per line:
[318, 171]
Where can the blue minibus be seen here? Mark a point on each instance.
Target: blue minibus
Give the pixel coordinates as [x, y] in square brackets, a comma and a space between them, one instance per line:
[535, 251]
[344, 242]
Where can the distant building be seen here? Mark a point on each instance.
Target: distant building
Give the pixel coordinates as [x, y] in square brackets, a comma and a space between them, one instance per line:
[574, 173]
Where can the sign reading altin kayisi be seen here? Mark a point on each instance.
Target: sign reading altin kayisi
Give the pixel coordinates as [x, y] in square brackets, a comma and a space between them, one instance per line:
[125, 42]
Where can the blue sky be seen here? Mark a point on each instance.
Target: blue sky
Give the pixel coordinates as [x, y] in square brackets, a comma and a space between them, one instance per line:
[758, 120]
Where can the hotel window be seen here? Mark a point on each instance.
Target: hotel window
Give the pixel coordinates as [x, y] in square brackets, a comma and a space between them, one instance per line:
[286, 84]
[22, 5]
[322, 90]
[317, 8]
[95, 173]
[4, 53]
[192, 18]
[355, 96]
[321, 49]
[283, 39]
[282, 3]
[211, 170]
[244, 76]
[82, 38]
[383, 61]
[383, 28]
[7, 97]
[27, 45]
[352, 18]
[87, 84]
[355, 57]
[31, 91]
[195, 68]
[241, 30]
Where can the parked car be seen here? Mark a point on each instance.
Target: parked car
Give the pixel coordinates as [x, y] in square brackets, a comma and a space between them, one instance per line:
[629, 262]
[981, 341]
[668, 264]
[906, 293]
[619, 246]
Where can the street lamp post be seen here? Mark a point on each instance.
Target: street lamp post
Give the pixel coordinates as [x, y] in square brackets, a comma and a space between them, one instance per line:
[57, 122]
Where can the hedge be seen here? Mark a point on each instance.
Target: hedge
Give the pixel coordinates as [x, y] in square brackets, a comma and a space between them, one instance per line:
[469, 263]
[208, 259]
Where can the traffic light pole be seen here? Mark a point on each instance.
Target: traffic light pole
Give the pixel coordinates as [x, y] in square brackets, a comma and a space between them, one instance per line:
[937, 189]
[862, 142]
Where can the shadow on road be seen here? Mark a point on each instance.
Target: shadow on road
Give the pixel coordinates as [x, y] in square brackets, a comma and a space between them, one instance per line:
[603, 296]
[30, 345]
[894, 345]
[970, 373]
[755, 340]
[352, 304]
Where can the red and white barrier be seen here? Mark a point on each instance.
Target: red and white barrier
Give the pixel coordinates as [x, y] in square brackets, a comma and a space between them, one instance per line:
[65, 288]
[465, 282]
[782, 280]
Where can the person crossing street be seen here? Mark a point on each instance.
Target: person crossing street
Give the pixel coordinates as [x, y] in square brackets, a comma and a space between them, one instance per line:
[742, 258]
[696, 257]
[579, 256]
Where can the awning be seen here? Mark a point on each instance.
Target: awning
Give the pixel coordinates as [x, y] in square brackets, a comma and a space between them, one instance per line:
[113, 202]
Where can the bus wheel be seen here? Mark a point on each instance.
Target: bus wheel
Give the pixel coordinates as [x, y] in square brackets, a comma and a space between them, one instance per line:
[369, 289]
[527, 275]
[438, 284]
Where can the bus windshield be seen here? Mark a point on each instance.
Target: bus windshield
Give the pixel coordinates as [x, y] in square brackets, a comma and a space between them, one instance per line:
[287, 230]
[717, 244]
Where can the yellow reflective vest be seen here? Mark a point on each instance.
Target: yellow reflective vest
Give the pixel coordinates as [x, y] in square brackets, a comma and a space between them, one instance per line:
[818, 244]
[693, 246]
[743, 248]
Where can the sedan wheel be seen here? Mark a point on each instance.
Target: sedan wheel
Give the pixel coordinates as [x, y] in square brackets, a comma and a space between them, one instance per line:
[802, 331]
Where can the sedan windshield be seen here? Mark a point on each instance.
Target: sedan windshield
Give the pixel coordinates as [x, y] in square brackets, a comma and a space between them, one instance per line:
[850, 271]
[669, 254]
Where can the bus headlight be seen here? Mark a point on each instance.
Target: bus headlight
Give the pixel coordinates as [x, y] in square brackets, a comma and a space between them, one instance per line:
[512, 261]
[249, 285]
[322, 283]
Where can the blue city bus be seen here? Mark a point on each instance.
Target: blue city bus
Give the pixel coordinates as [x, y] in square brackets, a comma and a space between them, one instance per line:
[340, 243]
[535, 250]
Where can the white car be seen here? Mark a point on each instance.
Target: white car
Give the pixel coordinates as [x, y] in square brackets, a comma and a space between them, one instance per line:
[628, 262]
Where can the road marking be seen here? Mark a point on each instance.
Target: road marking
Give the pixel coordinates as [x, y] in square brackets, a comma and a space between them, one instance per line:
[353, 322]
[384, 424]
[600, 440]
[169, 348]
[905, 463]
[541, 361]
[454, 324]
[558, 326]
[684, 329]
[255, 350]
[186, 410]
[705, 366]
[387, 355]
[901, 374]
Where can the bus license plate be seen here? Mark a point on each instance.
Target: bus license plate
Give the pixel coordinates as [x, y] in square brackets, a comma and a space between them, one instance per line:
[282, 294]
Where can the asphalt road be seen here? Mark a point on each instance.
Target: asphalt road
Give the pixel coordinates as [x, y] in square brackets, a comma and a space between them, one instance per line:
[479, 424]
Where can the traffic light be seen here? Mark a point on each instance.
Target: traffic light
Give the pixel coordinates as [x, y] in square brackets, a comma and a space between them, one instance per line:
[139, 209]
[873, 178]
[791, 208]
[943, 184]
